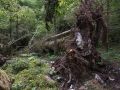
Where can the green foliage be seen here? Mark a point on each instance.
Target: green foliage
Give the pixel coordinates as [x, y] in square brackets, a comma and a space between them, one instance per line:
[41, 29]
[32, 80]
[63, 25]
[32, 73]
[67, 7]
[115, 21]
[19, 66]
[112, 54]
[10, 5]
[26, 18]
[30, 3]
[16, 20]
[4, 19]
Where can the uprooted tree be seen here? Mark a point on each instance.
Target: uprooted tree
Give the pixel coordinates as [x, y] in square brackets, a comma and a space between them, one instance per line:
[81, 60]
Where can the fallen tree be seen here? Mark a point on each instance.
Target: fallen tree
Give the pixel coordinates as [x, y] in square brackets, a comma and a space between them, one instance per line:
[82, 61]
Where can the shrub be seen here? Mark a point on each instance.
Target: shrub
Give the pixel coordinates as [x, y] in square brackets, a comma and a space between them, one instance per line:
[19, 66]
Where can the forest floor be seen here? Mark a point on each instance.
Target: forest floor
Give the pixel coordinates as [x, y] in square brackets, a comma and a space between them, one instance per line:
[30, 72]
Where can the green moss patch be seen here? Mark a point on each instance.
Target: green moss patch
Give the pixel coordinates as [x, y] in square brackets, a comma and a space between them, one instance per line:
[28, 73]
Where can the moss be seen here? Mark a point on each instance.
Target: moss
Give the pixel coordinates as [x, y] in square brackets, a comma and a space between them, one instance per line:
[32, 78]
[29, 73]
[19, 66]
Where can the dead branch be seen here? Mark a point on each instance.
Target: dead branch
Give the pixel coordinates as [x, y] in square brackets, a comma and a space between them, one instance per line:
[63, 34]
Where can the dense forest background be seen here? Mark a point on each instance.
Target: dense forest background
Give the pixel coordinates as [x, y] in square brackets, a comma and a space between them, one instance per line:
[25, 24]
[20, 18]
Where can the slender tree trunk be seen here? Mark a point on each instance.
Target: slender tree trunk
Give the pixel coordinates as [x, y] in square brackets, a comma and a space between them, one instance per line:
[17, 28]
[108, 17]
[55, 40]
[10, 28]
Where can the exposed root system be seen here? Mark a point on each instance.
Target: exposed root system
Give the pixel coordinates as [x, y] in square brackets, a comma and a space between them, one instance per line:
[81, 61]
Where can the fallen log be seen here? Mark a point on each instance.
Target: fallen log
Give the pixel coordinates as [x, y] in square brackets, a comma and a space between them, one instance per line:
[43, 47]
[47, 45]
[58, 36]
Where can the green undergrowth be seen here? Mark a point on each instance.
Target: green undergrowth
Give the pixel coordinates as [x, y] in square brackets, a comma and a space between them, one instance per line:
[28, 73]
[112, 54]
